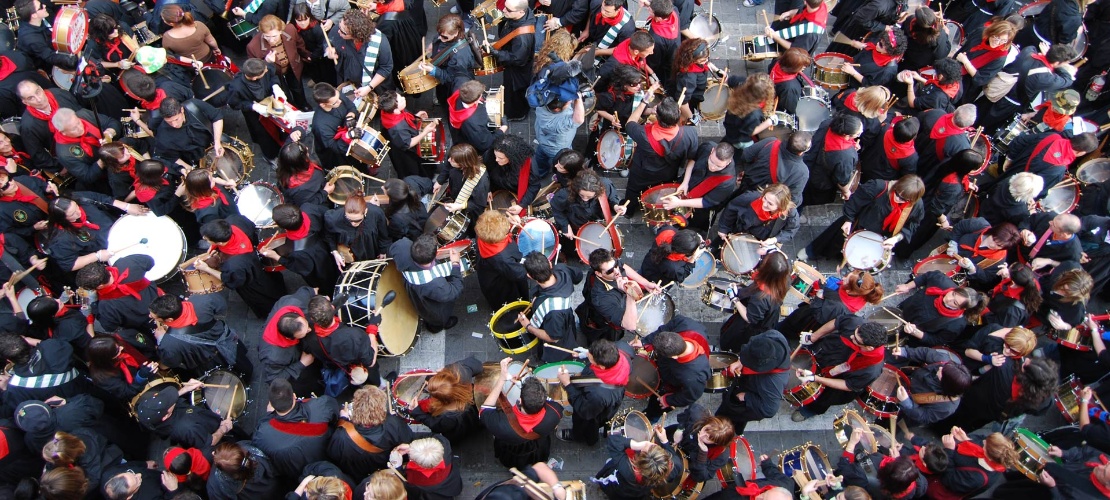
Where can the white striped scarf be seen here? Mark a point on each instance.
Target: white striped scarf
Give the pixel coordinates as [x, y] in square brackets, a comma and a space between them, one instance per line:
[370, 60]
[795, 31]
[550, 305]
[43, 381]
[253, 6]
[611, 35]
[441, 270]
[468, 187]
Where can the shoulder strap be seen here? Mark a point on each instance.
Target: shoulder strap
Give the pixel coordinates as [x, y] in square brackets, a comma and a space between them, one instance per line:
[528, 29]
[326, 355]
[927, 398]
[357, 438]
[510, 417]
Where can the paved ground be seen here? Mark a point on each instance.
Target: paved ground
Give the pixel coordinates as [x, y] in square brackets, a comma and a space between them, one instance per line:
[471, 336]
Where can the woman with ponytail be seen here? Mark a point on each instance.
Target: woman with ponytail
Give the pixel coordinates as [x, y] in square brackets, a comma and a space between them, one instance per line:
[926, 40]
[836, 298]
[449, 408]
[671, 258]
[974, 466]
[209, 197]
[301, 180]
[85, 449]
[1016, 298]
[405, 213]
[757, 305]
[242, 472]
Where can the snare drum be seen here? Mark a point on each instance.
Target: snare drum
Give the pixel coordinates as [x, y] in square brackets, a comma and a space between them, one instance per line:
[370, 149]
[1061, 198]
[813, 108]
[1094, 171]
[364, 283]
[489, 65]
[1032, 453]
[283, 246]
[654, 213]
[199, 282]
[415, 80]
[448, 226]
[956, 35]
[541, 205]
[827, 70]
[714, 293]
[344, 180]
[864, 250]
[483, 382]
[950, 266]
[741, 467]
[848, 422]
[433, 147]
[719, 380]
[224, 393]
[165, 243]
[644, 376]
[807, 458]
[706, 27]
[243, 28]
[704, 267]
[680, 486]
[740, 254]
[466, 249]
[236, 163]
[878, 399]
[797, 393]
[1067, 399]
[549, 375]
[501, 200]
[784, 125]
[407, 391]
[1078, 338]
[592, 235]
[150, 390]
[1004, 137]
[752, 50]
[982, 146]
[538, 235]
[653, 311]
[886, 319]
[71, 27]
[805, 281]
[631, 424]
[495, 106]
[63, 77]
[256, 201]
[614, 150]
[507, 332]
[715, 105]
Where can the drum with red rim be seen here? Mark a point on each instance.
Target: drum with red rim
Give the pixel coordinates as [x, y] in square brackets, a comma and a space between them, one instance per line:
[797, 393]
[592, 235]
[1061, 198]
[879, 398]
[71, 29]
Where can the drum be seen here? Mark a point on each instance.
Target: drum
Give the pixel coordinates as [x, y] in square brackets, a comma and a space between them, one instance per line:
[549, 375]
[236, 163]
[1032, 453]
[501, 200]
[654, 213]
[448, 226]
[483, 382]
[507, 332]
[614, 150]
[433, 147]
[848, 422]
[864, 250]
[215, 79]
[643, 378]
[224, 393]
[714, 293]
[243, 29]
[150, 390]
[495, 106]
[805, 281]
[653, 311]
[752, 50]
[719, 380]
[784, 125]
[363, 283]
[165, 243]
[415, 80]
[538, 235]
[283, 246]
[409, 388]
[742, 464]
[966, 207]
[489, 65]
[1061, 198]
[1004, 137]
[1094, 171]
[827, 72]
[948, 265]
[1067, 399]
[797, 393]
[1078, 338]
[63, 77]
[541, 205]
[370, 149]
[807, 458]
[199, 282]
[881, 316]
[26, 295]
[707, 28]
[704, 267]
[345, 180]
[676, 488]
[740, 254]
[956, 35]
[632, 425]
[467, 250]
[70, 31]
[592, 235]
[879, 399]
[982, 146]
[256, 201]
[589, 97]
[812, 111]
[715, 105]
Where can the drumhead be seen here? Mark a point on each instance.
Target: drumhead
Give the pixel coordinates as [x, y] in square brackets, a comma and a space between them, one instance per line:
[739, 256]
[645, 371]
[594, 232]
[721, 360]
[364, 283]
[955, 33]
[256, 201]
[846, 424]
[409, 386]
[716, 102]
[1061, 199]
[942, 263]
[165, 242]
[504, 321]
[637, 426]
[864, 250]
[538, 235]
[550, 371]
[610, 149]
[811, 113]
[227, 401]
[654, 312]
[1094, 171]
[704, 267]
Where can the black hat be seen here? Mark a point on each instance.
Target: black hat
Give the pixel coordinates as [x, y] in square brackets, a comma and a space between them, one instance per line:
[35, 417]
[765, 352]
[153, 408]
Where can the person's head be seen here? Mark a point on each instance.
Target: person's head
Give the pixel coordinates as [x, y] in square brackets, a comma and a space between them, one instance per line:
[954, 379]
[558, 42]
[948, 70]
[797, 143]
[661, 9]
[449, 28]
[234, 460]
[385, 485]
[173, 113]
[969, 300]
[64, 450]
[641, 45]
[965, 115]
[934, 457]
[794, 60]
[533, 394]
[326, 96]
[370, 406]
[356, 26]
[871, 101]
[391, 101]
[178, 461]
[1074, 286]
[400, 196]
[199, 184]
[778, 492]
[321, 312]
[139, 84]
[123, 486]
[26, 9]
[604, 265]
[166, 307]
[271, 28]
[103, 28]
[302, 16]
[149, 173]
[173, 16]
[1019, 342]
[715, 431]
[217, 231]
[964, 162]
[1022, 275]
[691, 51]
[773, 275]
[511, 151]
[604, 353]
[909, 188]
[1059, 54]
[464, 157]
[869, 335]
[114, 155]
[292, 159]
[281, 396]
[626, 79]
[669, 344]
[891, 42]
[1064, 225]
[326, 488]
[925, 26]
[43, 310]
[254, 69]
[569, 162]
[102, 353]
[897, 476]
[67, 122]
[610, 8]
[515, 9]
[293, 326]
[426, 452]
[846, 125]
[653, 463]
[756, 92]
[537, 267]
[63, 213]
[448, 391]
[1037, 380]
[1025, 186]
[586, 186]
[32, 95]
[1003, 235]
[13, 348]
[776, 199]
[288, 216]
[1083, 143]
[905, 131]
[860, 283]
[1000, 33]
[471, 91]
[670, 242]
[70, 483]
[93, 276]
[1000, 450]
[667, 113]
[424, 249]
[492, 227]
[720, 157]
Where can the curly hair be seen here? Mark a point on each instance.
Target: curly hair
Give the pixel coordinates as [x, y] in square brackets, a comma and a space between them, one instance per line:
[561, 42]
[756, 92]
[515, 148]
[1038, 380]
[492, 226]
[359, 26]
[1000, 450]
[369, 407]
[688, 52]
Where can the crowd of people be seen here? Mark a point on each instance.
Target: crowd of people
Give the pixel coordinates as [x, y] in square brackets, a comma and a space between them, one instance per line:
[118, 166]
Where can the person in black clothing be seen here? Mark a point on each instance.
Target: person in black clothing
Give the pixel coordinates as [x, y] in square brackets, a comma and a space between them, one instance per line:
[509, 167]
[943, 90]
[682, 353]
[935, 387]
[52, 374]
[848, 360]
[34, 37]
[1015, 298]
[332, 125]
[926, 39]
[431, 470]
[115, 372]
[296, 432]
[553, 320]
[279, 350]
[768, 215]
[898, 476]
[1065, 307]
[588, 198]
[77, 234]
[976, 465]
[516, 57]
[366, 424]
[184, 130]
[300, 179]
[193, 340]
[661, 148]
[256, 81]
[355, 232]
[534, 415]
[992, 345]
[869, 104]
[342, 347]
[449, 409]
[1017, 387]
[1011, 201]
[767, 162]
[757, 305]
[833, 159]
[306, 251]
[892, 154]
[666, 23]
[785, 74]
[405, 213]
[242, 471]
[458, 63]
[20, 212]
[169, 416]
[161, 190]
[82, 448]
[891, 209]
[233, 239]
[1049, 239]
[709, 181]
[981, 249]
[704, 439]
[1071, 480]
[692, 69]
[362, 54]
[759, 378]
[467, 182]
[433, 288]
[616, 102]
[468, 119]
[209, 196]
[1047, 154]
[838, 297]
[596, 404]
[405, 135]
[938, 311]
[501, 274]
[672, 256]
[610, 293]
[876, 63]
[1036, 73]
[945, 197]
[745, 117]
[48, 317]
[34, 126]
[123, 298]
[77, 140]
[634, 468]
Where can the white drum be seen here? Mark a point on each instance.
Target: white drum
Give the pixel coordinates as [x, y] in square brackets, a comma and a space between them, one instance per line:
[864, 250]
[813, 109]
[165, 243]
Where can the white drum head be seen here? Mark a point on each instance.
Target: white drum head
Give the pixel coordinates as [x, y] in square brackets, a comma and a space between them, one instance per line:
[811, 113]
[864, 250]
[610, 149]
[165, 242]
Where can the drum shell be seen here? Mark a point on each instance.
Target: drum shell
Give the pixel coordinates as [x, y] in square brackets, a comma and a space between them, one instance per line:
[740, 254]
[715, 105]
[468, 253]
[655, 214]
[370, 149]
[349, 179]
[447, 226]
[827, 72]
[1032, 453]
[859, 249]
[720, 379]
[416, 81]
[798, 394]
[401, 389]
[753, 51]
[948, 265]
[1061, 198]
[805, 281]
[877, 400]
[548, 374]
[614, 150]
[225, 166]
[645, 370]
[518, 340]
[364, 283]
[714, 293]
[1094, 171]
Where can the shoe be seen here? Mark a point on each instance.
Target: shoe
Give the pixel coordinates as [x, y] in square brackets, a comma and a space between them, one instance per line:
[749, 3]
[802, 255]
[798, 416]
[451, 322]
[555, 463]
[564, 435]
[695, 119]
[624, 173]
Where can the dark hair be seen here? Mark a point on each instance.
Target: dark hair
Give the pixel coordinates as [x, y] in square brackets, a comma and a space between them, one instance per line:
[684, 241]
[872, 334]
[1085, 142]
[533, 394]
[292, 159]
[281, 395]
[845, 124]
[1038, 380]
[572, 161]
[471, 91]
[321, 312]
[975, 302]
[586, 180]
[624, 76]
[182, 464]
[288, 216]
[1023, 276]
[424, 249]
[668, 344]
[600, 256]
[909, 187]
[467, 159]
[13, 348]
[388, 100]
[170, 106]
[799, 142]
[537, 266]
[56, 217]
[662, 8]
[948, 70]
[605, 352]
[234, 460]
[640, 40]
[794, 60]
[906, 129]
[303, 11]
[401, 196]
[101, 354]
[289, 325]
[896, 476]
[667, 113]
[150, 172]
[955, 379]
[724, 151]
[1059, 53]
[962, 163]
[92, 276]
[217, 231]
[934, 457]
[688, 53]
[773, 275]
[41, 312]
[515, 148]
[253, 67]
[140, 84]
[924, 27]
[323, 92]
[101, 27]
[359, 25]
[898, 47]
[167, 306]
[451, 22]
[24, 9]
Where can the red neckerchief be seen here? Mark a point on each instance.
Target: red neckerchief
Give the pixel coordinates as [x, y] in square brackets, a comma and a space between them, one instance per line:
[207, 201]
[951, 178]
[188, 316]
[600, 20]
[623, 54]
[89, 140]
[979, 251]
[657, 133]
[776, 145]
[617, 374]
[1053, 119]
[1102, 460]
[752, 490]
[83, 221]
[850, 102]
[20, 196]
[1043, 60]
[852, 302]
[1007, 288]
[307, 429]
[859, 359]
[895, 150]
[125, 362]
[918, 462]
[1057, 151]
[301, 232]
[129, 167]
[970, 449]
[715, 451]
[523, 178]
[881, 60]
[7, 67]
[18, 156]
[201, 468]
[145, 193]
[938, 304]
[456, 114]
[667, 28]
[944, 128]
[113, 47]
[778, 75]
[155, 103]
[326, 331]
[757, 207]
[117, 288]
[699, 348]
[419, 476]
[748, 371]
[390, 120]
[298, 179]
[270, 333]
[632, 463]
[900, 494]
[526, 421]
[43, 116]
[1015, 388]
[819, 17]
[891, 220]
[665, 237]
[488, 250]
[986, 56]
[949, 89]
[697, 68]
[237, 245]
[394, 6]
[837, 142]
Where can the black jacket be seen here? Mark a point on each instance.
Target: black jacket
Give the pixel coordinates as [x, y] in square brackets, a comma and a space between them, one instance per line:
[299, 437]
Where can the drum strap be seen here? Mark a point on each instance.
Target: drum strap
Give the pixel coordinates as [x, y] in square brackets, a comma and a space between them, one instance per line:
[43, 381]
[38, 202]
[333, 361]
[469, 185]
[370, 60]
[510, 417]
[448, 52]
[607, 212]
[611, 35]
[523, 30]
[357, 438]
[709, 184]
[929, 398]
[1040, 243]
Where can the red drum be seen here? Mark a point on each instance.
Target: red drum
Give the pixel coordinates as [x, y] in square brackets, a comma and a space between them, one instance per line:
[879, 399]
[467, 250]
[742, 464]
[827, 72]
[948, 265]
[433, 147]
[1067, 399]
[644, 378]
[797, 393]
[592, 235]
[654, 213]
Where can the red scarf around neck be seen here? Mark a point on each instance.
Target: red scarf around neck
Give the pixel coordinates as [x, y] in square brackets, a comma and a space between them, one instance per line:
[665, 237]
[944, 128]
[850, 102]
[1053, 119]
[778, 75]
[326, 331]
[895, 150]
[488, 250]
[890, 223]
[89, 140]
[819, 17]
[44, 116]
[974, 450]
[701, 347]
[1043, 60]
[271, 335]
[667, 28]
[600, 20]
[881, 60]
[1007, 288]
[390, 120]
[859, 358]
[419, 476]
[301, 232]
[125, 362]
[456, 112]
[949, 89]
[207, 201]
[657, 133]
[83, 221]
[623, 54]
[1105, 490]
[986, 54]
[393, 6]
[697, 68]
[939, 293]
[853, 302]
[837, 142]
[298, 179]
[617, 374]
[526, 421]
[118, 288]
[239, 243]
[155, 103]
[188, 316]
[757, 207]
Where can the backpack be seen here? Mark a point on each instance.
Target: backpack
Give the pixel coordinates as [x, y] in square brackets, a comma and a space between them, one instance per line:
[545, 89]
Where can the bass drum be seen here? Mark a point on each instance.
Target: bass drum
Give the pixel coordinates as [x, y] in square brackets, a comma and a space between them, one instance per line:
[364, 284]
[165, 243]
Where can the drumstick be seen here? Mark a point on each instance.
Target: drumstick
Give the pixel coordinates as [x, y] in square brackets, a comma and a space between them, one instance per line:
[969, 196]
[897, 317]
[709, 20]
[648, 387]
[564, 349]
[143, 241]
[371, 177]
[1067, 182]
[201, 73]
[724, 76]
[21, 274]
[522, 368]
[765, 19]
[891, 295]
[649, 294]
[214, 94]
[594, 243]
[423, 53]
[728, 245]
[796, 349]
[681, 97]
[975, 138]
[217, 386]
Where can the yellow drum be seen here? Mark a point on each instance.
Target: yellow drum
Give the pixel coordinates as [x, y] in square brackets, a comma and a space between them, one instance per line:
[415, 80]
[507, 332]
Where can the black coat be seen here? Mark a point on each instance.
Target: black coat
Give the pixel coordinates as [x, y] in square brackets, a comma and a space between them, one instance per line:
[870, 205]
[435, 300]
[52, 359]
[619, 478]
[299, 437]
[278, 361]
[244, 274]
[738, 217]
[37, 135]
[501, 276]
[516, 56]
[367, 241]
[790, 169]
[265, 483]
[920, 309]
[360, 463]
[683, 382]
[454, 425]
[650, 167]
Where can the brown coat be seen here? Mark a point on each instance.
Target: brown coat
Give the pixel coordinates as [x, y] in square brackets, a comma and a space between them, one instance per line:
[294, 48]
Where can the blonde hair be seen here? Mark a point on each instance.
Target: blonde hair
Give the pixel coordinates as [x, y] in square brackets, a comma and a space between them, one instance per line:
[369, 406]
[871, 100]
[757, 91]
[385, 485]
[654, 463]
[561, 42]
[1024, 186]
[326, 488]
[492, 226]
[1020, 340]
[426, 452]
[1001, 450]
[1074, 286]
[270, 22]
[64, 450]
[782, 193]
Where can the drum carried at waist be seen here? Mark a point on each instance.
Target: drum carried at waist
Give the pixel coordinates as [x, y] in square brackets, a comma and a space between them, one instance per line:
[721, 377]
[1067, 399]
[655, 214]
[495, 106]
[1032, 453]
[537, 235]
[756, 48]
[549, 375]
[653, 311]
[407, 391]
[643, 379]
[370, 148]
[1061, 198]
[592, 236]
[879, 398]
[415, 80]
[433, 147]
[740, 253]
[158, 237]
[448, 226]
[71, 29]
[199, 282]
[614, 150]
[796, 393]
[510, 336]
[827, 70]
[236, 163]
[864, 250]
[344, 181]
[365, 284]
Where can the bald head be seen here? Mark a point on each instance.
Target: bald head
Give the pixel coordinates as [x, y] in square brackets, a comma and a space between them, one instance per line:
[27, 87]
[965, 115]
[1067, 223]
